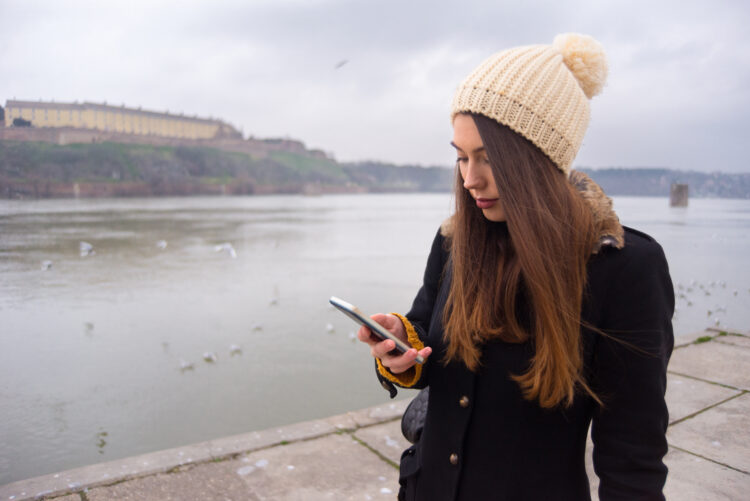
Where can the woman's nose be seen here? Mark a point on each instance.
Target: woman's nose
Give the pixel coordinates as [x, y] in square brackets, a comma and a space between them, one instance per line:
[473, 178]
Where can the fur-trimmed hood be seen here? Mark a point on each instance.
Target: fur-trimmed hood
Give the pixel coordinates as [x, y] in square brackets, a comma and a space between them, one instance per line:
[608, 227]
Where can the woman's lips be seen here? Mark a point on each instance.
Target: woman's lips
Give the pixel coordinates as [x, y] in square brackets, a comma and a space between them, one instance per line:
[486, 203]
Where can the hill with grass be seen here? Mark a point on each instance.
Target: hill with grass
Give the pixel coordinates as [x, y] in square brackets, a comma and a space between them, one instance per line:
[36, 169]
[44, 170]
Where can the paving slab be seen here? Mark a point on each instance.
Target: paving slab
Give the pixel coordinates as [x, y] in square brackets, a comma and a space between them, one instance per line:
[386, 439]
[715, 362]
[686, 396]
[734, 339]
[691, 477]
[593, 479]
[331, 467]
[720, 433]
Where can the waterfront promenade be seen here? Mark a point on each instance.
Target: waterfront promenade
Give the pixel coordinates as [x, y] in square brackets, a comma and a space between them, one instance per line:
[354, 456]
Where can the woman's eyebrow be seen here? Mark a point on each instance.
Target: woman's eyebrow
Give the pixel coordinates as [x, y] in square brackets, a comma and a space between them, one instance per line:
[476, 150]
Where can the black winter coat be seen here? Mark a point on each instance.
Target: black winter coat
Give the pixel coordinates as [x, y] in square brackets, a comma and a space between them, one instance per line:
[483, 441]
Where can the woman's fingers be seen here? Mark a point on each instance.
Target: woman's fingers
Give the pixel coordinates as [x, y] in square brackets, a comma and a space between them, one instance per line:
[397, 362]
[382, 349]
[391, 323]
[365, 335]
[385, 350]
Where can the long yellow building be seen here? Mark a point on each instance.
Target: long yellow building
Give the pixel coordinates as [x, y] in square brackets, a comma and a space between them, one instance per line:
[117, 119]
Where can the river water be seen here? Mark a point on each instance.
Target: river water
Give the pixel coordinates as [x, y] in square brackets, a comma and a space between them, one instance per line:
[91, 347]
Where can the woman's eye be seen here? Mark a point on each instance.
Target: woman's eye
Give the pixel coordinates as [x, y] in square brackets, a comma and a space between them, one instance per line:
[461, 160]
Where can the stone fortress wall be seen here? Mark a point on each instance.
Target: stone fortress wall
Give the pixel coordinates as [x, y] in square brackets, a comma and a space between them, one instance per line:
[115, 119]
[69, 123]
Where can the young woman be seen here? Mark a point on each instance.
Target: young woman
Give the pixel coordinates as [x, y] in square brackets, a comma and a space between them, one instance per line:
[539, 314]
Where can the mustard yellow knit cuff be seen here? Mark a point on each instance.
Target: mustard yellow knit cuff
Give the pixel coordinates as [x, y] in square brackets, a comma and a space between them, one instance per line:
[410, 377]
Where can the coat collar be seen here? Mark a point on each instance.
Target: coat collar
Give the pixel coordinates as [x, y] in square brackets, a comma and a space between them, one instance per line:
[606, 222]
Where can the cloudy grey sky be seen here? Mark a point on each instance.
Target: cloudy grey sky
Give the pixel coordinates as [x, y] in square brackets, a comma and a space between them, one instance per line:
[678, 93]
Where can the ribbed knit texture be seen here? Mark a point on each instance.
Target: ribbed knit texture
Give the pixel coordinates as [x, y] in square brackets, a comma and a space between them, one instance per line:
[532, 90]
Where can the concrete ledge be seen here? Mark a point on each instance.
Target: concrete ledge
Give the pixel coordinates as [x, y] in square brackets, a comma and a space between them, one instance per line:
[113, 472]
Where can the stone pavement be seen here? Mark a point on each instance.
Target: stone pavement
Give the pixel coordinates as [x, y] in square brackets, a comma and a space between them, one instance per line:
[355, 455]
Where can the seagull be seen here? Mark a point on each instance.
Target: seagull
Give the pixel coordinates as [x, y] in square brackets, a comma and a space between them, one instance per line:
[186, 366]
[209, 357]
[161, 244]
[235, 350]
[340, 64]
[47, 264]
[226, 247]
[86, 249]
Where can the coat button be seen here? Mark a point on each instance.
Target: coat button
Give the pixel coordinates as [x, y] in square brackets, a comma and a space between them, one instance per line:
[453, 459]
[464, 401]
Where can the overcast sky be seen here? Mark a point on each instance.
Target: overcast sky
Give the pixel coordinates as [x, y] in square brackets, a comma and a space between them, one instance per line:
[678, 94]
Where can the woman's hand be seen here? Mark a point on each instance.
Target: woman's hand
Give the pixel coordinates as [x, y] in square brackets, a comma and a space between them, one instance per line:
[385, 350]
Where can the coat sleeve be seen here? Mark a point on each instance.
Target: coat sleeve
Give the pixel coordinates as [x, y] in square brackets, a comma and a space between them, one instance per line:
[417, 321]
[630, 376]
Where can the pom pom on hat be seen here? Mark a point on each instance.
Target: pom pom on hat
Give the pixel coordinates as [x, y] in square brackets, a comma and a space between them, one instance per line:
[585, 58]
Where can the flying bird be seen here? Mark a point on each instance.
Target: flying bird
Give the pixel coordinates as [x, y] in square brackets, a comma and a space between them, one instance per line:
[227, 248]
[340, 64]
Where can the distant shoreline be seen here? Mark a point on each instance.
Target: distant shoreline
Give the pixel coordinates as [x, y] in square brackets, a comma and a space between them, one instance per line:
[40, 170]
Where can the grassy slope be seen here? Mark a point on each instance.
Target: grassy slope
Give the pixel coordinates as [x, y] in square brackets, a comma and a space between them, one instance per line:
[115, 162]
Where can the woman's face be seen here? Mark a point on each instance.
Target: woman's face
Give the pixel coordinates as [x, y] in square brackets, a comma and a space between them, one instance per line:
[475, 168]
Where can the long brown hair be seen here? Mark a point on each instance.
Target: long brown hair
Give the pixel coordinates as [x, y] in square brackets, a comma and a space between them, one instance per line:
[539, 259]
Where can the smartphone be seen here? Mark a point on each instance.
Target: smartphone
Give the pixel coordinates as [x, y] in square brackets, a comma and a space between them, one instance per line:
[378, 330]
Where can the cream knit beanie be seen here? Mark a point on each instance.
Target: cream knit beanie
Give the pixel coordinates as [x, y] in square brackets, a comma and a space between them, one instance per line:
[540, 91]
